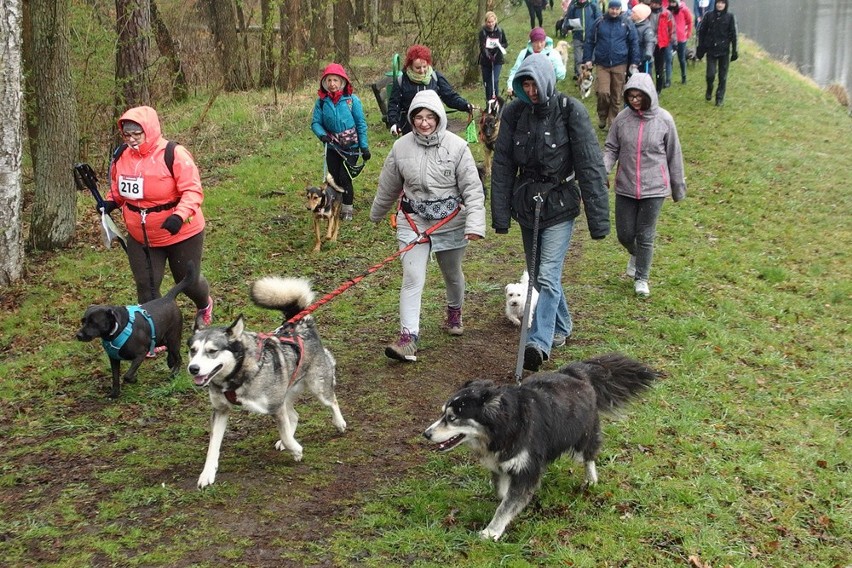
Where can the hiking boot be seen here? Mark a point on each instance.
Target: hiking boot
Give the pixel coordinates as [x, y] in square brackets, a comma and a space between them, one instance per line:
[204, 316]
[404, 349]
[454, 321]
[533, 358]
[602, 124]
[708, 94]
[630, 271]
[559, 340]
[346, 213]
[642, 289]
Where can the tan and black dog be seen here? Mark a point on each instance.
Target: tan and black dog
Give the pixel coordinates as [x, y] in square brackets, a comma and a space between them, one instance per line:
[126, 333]
[585, 80]
[324, 203]
[489, 127]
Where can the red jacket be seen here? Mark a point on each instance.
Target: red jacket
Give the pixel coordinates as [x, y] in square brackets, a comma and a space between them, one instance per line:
[148, 164]
[665, 28]
[682, 22]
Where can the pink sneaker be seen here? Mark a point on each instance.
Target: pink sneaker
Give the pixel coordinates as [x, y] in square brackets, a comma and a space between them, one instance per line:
[205, 315]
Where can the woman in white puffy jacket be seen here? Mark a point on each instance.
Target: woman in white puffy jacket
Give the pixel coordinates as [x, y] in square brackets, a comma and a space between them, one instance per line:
[431, 178]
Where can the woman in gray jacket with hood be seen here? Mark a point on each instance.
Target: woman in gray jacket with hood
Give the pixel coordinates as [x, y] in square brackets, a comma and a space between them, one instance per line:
[433, 172]
[643, 140]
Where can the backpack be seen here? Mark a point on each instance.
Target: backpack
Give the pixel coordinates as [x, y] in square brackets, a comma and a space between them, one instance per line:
[169, 156]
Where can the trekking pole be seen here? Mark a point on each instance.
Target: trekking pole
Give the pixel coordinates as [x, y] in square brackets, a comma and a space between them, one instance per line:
[519, 365]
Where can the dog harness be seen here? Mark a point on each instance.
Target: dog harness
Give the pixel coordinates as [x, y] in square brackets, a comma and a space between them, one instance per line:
[113, 346]
[283, 336]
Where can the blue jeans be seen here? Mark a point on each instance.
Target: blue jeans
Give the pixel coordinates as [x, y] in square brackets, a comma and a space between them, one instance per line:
[668, 66]
[491, 78]
[681, 58]
[551, 313]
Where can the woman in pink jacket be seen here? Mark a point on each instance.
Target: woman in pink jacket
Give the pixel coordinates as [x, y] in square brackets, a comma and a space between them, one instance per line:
[161, 206]
[682, 18]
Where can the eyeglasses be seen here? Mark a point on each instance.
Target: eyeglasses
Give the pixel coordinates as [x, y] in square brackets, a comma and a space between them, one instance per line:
[634, 97]
[138, 134]
[430, 118]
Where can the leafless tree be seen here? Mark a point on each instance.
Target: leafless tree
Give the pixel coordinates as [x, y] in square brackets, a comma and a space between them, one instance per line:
[267, 41]
[11, 94]
[168, 49]
[232, 56]
[133, 26]
[294, 44]
[53, 111]
[342, 21]
[472, 72]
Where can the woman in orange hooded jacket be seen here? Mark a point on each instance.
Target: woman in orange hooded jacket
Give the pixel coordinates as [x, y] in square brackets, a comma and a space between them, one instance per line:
[162, 211]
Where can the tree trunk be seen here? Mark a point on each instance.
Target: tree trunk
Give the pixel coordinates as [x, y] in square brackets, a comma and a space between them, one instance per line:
[54, 203]
[342, 20]
[359, 18]
[472, 73]
[319, 28]
[133, 26]
[374, 22]
[267, 42]
[166, 45]
[11, 240]
[385, 14]
[294, 44]
[232, 58]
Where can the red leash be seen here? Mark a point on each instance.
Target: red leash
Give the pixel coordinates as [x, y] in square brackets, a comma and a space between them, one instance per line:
[421, 238]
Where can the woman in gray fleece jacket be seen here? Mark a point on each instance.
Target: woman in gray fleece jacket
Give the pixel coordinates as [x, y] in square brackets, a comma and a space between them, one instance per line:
[433, 171]
[643, 140]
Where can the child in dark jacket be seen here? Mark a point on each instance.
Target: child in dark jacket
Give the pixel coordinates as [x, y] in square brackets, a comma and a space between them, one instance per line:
[717, 38]
[339, 122]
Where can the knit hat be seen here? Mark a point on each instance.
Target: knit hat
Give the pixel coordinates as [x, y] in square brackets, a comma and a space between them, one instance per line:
[130, 126]
[640, 12]
[538, 34]
[614, 4]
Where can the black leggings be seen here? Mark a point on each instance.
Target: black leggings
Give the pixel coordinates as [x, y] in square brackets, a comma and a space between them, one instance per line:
[338, 171]
[178, 255]
[535, 12]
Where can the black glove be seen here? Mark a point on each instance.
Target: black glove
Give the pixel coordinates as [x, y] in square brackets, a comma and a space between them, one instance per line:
[325, 139]
[647, 57]
[734, 56]
[365, 153]
[172, 224]
[109, 207]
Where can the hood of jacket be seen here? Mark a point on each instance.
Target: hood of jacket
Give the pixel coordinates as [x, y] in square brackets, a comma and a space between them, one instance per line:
[428, 99]
[538, 67]
[147, 118]
[721, 11]
[335, 69]
[643, 82]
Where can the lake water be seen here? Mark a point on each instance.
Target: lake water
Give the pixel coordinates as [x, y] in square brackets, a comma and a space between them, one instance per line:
[814, 35]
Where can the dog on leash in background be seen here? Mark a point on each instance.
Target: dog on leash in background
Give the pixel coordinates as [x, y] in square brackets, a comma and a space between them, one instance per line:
[264, 373]
[585, 80]
[324, 203]
[562, 47]
[489, 127]
[518, 431]
[516, 298]
[130, 333]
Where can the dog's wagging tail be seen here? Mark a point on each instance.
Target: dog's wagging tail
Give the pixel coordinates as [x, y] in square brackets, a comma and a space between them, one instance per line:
[517, 431]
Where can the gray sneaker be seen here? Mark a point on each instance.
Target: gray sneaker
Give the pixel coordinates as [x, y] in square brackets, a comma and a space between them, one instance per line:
[346, 213]
[558, 341]
[630, 271]
[404, 349]
[642, 289]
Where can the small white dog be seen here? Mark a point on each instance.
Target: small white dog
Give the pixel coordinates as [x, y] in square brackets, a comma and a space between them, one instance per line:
[516, 297]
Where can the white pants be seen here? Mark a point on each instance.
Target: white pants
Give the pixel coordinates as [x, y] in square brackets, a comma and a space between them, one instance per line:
[414, 264]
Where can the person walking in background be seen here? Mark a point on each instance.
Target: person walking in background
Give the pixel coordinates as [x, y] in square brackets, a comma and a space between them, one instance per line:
[539, 43]
[662, 21]
[579, 20]
[683, 24]
[717, 38]
[338, 121]
[643, 141]
[161, 207]
[418, 75]
[646, 33]
[613, 47]
[699, 10]
[535, 8]
[431, 174]
[545, 140]
[492, 48]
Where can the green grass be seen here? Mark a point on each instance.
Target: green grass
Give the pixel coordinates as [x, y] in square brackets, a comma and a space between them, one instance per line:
[739, 457]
